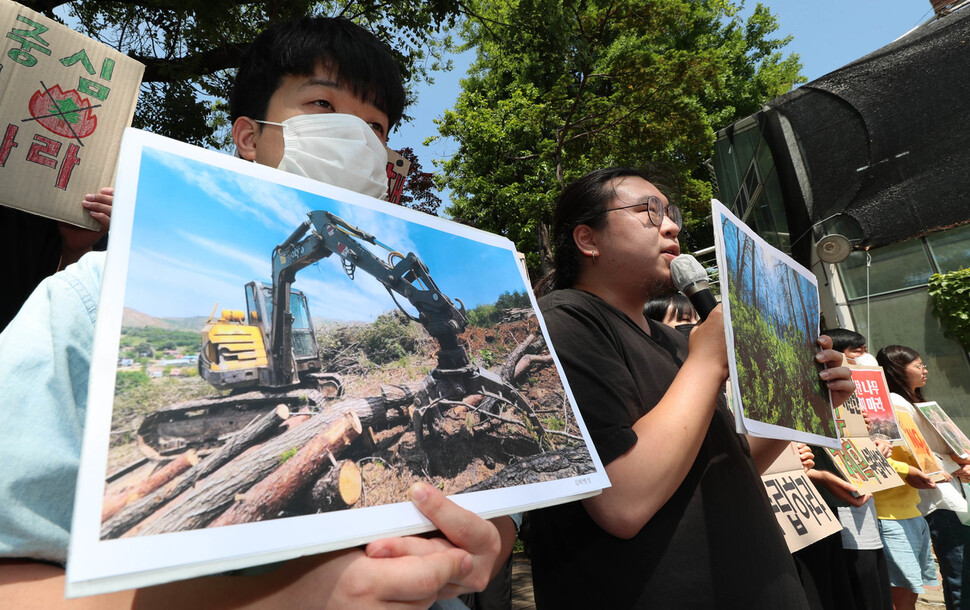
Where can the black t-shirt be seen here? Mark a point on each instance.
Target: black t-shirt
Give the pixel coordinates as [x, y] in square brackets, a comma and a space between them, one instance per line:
[714, 544]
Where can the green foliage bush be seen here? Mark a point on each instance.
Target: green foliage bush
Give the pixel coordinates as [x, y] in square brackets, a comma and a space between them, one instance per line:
[775, 383]
[160, 338]
[951, 303]
[486, 316]
[389, 338]
[127, 380]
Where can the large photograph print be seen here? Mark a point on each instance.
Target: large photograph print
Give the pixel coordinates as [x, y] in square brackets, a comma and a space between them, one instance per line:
[278, 361]
[771, 321]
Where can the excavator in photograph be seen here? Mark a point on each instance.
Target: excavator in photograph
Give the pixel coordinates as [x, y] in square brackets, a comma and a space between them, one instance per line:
[269, 355]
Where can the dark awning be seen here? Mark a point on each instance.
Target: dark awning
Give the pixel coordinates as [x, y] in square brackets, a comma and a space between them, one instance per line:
[885, 138]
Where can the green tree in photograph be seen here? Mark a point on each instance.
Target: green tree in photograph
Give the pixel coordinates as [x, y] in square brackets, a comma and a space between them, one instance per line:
[563, 87]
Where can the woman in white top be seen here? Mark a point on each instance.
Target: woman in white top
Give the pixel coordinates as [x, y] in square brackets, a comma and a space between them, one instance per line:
[906, 376]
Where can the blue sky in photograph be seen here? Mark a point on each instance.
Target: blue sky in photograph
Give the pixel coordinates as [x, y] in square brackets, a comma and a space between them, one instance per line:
[202, 232]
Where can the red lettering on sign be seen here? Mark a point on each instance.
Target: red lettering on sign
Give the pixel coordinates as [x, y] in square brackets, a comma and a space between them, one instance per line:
[71, 160]
[8, 144]
[44, 146]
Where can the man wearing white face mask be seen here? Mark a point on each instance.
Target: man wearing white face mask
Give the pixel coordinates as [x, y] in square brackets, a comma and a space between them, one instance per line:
[339, 149]
[316, 97]
[321, 111]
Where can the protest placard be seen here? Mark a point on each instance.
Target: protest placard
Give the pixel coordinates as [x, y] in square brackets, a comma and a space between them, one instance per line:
[802, 514]
[64, 101]
[872, 392]
[949, 431]
[859, 461]
[771, 313]
[407, 369]
[913, 439]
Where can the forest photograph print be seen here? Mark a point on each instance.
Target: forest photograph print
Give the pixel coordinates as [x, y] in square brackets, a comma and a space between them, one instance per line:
[772, 313]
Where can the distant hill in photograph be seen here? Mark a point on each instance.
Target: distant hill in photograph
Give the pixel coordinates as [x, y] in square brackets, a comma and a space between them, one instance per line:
[135, 319]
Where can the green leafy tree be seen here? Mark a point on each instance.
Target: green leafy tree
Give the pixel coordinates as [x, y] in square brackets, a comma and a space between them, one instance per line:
[562, 87]
[190, 48]
[951, 303]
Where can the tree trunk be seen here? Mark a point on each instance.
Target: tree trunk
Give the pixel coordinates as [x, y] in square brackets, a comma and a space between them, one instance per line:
[337, 489]
[549, 466]
[508, 369]
[114, 503]
[250, 435]
[266, 498]
[215, 493]
[528, 362]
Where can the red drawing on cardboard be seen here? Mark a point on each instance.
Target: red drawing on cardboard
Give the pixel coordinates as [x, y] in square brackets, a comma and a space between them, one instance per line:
[64, 113]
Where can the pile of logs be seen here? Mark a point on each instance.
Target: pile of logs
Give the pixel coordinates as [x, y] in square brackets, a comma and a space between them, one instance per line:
[263, 468]
[281, 464]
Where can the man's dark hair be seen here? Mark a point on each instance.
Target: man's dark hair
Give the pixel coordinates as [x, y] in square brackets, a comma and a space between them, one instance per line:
[357, 58]
[843, 339]
[656, 308]
[893, 359]
[581, 203]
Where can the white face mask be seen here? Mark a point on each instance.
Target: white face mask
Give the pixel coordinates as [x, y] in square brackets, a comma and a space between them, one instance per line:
[867, 359]
[338, 149]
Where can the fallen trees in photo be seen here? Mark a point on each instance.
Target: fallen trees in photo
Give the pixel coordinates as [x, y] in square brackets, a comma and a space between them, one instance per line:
[549, 466]
[338, 488]
[136, 512]
[267, 497]
[114, 503]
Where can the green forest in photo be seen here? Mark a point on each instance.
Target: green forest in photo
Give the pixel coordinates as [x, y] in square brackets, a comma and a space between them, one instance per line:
[774, 315]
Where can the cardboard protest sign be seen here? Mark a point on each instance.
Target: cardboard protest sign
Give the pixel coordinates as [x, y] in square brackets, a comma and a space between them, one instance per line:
[917, 446]
[64, 101]
[771, 313]
[397, 173]
[951, 433]
[859, 461]
[798, 507]
[872, 392]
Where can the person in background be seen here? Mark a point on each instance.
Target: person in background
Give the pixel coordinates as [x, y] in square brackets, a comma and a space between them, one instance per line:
[862, 552]
[856, 350]
[906, 375]
[307, 88]
[673, 309]
[904, 533]
[41, 246]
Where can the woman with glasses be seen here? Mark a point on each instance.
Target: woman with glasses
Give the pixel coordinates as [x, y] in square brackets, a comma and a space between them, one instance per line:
[906, 375]
[686, 521]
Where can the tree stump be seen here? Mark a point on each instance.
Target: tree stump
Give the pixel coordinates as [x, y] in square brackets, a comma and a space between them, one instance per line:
[267, 497]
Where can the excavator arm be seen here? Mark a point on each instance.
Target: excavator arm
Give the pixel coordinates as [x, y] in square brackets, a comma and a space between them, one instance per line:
[324, 234]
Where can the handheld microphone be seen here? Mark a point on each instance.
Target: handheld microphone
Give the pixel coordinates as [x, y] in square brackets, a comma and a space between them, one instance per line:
[691, 279]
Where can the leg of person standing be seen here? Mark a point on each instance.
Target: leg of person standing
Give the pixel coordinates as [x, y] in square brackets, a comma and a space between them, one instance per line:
[950, 538]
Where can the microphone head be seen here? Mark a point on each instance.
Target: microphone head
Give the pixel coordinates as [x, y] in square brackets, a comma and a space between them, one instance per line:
[686, 271]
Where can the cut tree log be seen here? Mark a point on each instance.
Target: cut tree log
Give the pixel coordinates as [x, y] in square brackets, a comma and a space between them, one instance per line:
[269, 496]
[549, 466]
[114, 503]
[529, 362]
[508, 368]
[338, 488]
[136, 512]
[211, 496]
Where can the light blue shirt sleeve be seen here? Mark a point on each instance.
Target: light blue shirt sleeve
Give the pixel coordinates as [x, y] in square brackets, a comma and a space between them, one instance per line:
[45, 356]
